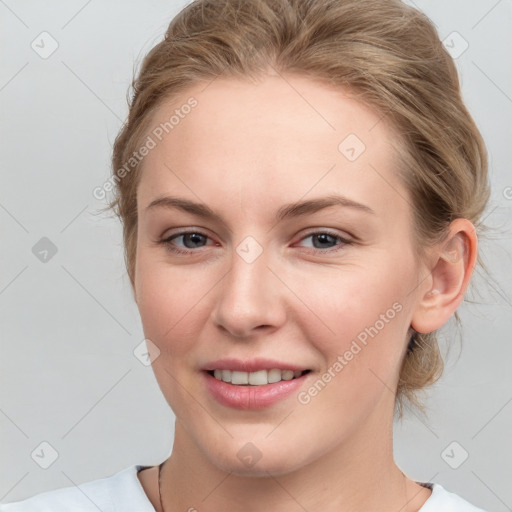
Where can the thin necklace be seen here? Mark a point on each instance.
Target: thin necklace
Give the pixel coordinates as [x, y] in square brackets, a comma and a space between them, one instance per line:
[159, 487]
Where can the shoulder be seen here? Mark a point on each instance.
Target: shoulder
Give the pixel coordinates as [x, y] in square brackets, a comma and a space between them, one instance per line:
[441, 499]
[121, 491]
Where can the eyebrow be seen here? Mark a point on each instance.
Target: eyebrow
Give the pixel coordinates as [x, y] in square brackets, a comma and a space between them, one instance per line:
[285, 212]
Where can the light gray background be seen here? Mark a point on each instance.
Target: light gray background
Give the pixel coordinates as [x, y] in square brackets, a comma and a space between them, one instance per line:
[69, 326]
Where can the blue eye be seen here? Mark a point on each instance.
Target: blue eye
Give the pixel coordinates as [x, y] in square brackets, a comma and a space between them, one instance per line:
[191, 240]
[196, 240]
[324, 237]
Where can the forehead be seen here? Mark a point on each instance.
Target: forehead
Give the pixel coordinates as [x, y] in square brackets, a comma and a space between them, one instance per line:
[282, 137]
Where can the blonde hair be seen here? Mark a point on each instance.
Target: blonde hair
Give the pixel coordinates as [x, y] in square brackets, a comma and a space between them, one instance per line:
[387, 53]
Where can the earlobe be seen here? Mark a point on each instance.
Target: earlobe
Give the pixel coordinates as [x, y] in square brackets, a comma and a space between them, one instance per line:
[454, 261]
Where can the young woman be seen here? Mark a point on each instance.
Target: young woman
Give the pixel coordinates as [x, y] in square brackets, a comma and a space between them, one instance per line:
[300, 187]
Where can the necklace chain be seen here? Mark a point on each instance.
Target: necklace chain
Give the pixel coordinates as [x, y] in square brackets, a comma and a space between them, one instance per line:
[159, 486]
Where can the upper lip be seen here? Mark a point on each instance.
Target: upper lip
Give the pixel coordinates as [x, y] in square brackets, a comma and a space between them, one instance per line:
[251, 365]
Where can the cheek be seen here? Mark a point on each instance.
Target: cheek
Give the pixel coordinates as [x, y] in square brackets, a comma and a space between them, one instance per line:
[360, 320]
[171, 305]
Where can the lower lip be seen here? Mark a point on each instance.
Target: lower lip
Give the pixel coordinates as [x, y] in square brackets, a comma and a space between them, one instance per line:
[251, 397]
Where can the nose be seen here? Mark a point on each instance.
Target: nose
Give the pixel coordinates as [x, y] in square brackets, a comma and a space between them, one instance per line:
[250, 298]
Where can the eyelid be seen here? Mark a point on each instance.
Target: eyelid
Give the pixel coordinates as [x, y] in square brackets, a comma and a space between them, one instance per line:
[342, 239]
[185, 231]
[328, 231]
[309, 231]
[166, 240]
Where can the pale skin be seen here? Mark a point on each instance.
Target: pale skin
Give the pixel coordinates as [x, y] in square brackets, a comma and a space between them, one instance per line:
[245, 151]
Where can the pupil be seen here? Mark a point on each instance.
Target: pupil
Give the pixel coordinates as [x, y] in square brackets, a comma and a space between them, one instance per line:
[196, 238]
[192, 236]
[322, 237]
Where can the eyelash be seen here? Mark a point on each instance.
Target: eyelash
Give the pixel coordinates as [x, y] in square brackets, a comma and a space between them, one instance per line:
[167, 242]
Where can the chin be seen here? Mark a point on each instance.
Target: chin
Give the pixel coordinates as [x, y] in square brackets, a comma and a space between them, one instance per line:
[262, 468]
[257, 459]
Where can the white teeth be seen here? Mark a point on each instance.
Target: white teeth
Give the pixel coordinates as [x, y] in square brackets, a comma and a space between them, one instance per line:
[258, 378]
[287, 374]
[274, 375]
[239, 377]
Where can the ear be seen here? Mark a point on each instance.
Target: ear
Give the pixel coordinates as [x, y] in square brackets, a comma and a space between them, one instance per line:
[453, 263]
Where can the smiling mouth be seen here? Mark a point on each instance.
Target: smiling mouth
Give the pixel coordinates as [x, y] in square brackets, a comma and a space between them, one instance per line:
[257, 378]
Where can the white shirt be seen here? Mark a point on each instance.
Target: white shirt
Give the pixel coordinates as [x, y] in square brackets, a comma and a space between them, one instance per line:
[123, 492]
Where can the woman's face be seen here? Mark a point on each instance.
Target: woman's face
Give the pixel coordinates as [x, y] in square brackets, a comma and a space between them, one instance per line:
[243, 277]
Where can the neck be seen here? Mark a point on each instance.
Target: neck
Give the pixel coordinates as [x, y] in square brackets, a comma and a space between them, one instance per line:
[357, 474]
